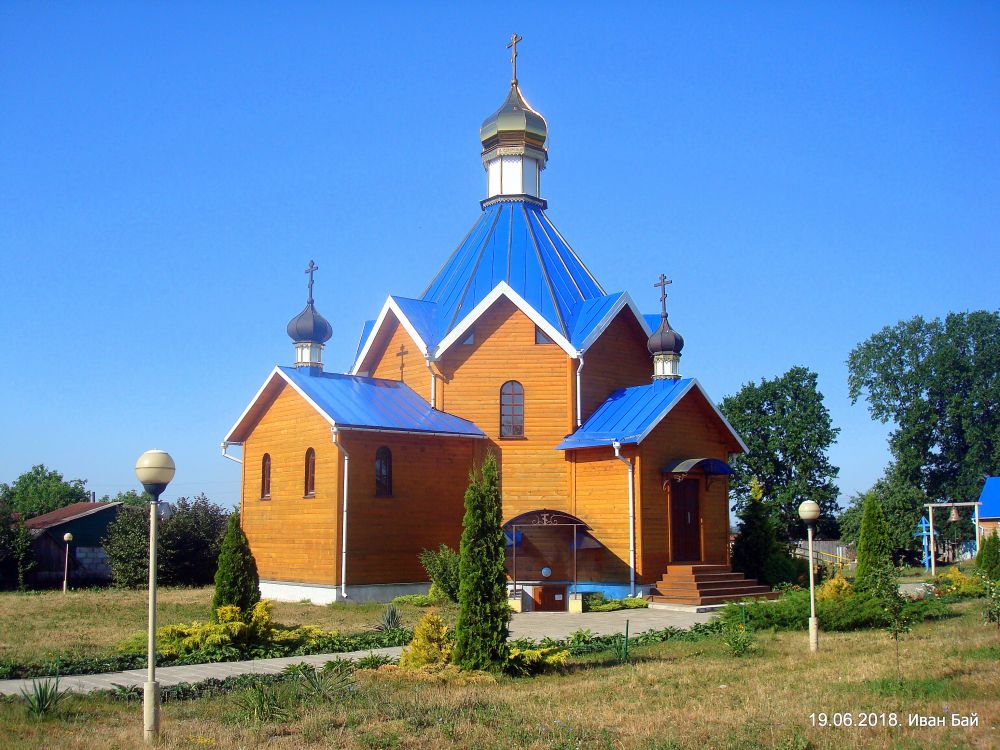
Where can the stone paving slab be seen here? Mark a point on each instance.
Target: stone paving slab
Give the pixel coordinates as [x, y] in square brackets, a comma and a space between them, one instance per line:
[535, 625]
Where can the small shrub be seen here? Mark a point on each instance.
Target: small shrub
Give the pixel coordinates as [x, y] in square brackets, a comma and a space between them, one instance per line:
[374, 661]
[954, 582]
[43, 698]
[430, 646]
[323, 686]
[417, 600]
[441, 566]
[262, 703]
[391, 619]
[739, 640]
[988, 558]
[524, 662]
[834, 588]
[595, 602]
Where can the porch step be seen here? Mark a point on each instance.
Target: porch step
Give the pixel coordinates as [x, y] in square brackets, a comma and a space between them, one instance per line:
[701, 584]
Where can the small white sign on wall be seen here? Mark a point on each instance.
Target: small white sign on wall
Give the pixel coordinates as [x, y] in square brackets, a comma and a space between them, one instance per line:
[558, 597]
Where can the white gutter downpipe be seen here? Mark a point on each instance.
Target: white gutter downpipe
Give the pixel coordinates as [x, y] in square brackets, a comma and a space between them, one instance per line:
[579, 398]
[343, 524]
[433, 383]
[225, 448]
[631, 513]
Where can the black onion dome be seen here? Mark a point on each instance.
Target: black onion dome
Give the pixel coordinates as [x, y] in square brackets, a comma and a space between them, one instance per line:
[665, 340]
[309, 325]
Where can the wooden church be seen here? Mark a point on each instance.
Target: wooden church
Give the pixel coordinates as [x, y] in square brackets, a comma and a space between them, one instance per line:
[614, 466]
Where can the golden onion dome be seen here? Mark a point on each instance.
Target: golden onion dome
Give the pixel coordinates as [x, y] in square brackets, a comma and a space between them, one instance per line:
[514, 129]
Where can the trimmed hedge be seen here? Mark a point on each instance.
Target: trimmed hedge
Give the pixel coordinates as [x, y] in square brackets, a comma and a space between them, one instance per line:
[332, 644]
[855, 611]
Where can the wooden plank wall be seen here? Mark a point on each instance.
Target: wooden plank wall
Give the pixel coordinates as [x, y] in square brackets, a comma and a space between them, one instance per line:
[600, 489]
[414, 367]
[293, 538]
[617, 359]
[385, 534]
[535, 475]
[690, 430]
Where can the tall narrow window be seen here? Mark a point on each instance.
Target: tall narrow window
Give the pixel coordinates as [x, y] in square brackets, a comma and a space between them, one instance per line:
[310, 479]
[383, 472]
[511, 410]
[265, 477]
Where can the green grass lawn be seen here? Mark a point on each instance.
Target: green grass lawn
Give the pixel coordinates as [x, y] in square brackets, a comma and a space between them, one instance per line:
[678, 696]
[43, 625]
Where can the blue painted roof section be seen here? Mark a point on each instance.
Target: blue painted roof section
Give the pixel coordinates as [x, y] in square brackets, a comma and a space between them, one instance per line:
[626, 414]
[365, 333]
[422, 315]
[513, 242]
[352, 401]
[588, 314]
[990, 498]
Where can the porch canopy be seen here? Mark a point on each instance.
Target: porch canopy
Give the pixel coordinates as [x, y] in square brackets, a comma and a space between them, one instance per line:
[681, 467]
[543, 518]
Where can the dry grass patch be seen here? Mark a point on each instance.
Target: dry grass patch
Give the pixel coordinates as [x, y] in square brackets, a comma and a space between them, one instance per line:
[38, 626]
[676, 696]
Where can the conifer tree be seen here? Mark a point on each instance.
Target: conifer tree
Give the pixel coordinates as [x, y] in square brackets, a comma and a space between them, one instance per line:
[756, 540]
[236, 579]
[874, 545]
[481, 631]
[988, 559]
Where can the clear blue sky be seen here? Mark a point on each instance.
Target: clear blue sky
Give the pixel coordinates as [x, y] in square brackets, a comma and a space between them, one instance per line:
[806, 173]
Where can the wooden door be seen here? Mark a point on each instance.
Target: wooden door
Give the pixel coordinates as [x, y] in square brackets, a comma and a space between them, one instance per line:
[685, 528]
[549, 598]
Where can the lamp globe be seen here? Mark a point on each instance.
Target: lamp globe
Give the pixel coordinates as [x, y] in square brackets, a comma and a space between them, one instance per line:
[809, 511]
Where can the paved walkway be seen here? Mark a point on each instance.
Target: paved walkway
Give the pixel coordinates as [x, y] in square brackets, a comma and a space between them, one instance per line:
[526, 625]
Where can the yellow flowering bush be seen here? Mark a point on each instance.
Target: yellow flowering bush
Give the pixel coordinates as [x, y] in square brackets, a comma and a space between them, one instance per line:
[834, 588]
[430, 646]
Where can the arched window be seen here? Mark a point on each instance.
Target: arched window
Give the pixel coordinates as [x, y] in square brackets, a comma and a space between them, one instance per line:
[265, 477]
[511, 410]
[383, 472]
[310, 479]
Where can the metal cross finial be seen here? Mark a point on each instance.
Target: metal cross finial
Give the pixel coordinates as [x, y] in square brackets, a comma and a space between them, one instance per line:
[401, 353]
[313, 268]
[512, 46]
[662, 284]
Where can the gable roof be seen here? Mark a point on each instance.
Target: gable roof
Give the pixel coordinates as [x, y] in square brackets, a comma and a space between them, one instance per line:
[990, 498]
[68, 513]
[629, 414]
[351, 402]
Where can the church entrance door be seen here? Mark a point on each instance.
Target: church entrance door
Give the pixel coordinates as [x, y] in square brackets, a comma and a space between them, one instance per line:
[685, 531]
[550, 598]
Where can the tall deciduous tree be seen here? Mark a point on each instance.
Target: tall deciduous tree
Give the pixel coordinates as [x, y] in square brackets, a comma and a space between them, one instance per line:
[41, 490]
[938, 382]
[788, 430]
[481, 631]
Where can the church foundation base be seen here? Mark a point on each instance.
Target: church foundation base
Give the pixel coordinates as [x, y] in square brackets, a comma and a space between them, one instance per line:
[290, 591]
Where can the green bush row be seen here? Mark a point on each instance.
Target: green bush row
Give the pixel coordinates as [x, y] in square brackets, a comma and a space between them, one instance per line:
[584, 642]
[333, 643]
[855, 611]
[597, 603]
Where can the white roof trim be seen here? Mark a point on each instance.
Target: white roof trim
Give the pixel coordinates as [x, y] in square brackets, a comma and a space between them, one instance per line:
[390, 304]
[503, 289]
[267, 381]
[623, 301]
[680, 396]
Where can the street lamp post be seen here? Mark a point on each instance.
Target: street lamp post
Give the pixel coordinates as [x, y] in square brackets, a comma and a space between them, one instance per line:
[809, 512]
[67, 537]
[154, 470]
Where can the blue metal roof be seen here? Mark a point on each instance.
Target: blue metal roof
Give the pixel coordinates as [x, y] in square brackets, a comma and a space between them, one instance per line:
[990, 499]
[513, 241]
[588, 314]
[352, 401]
[627, 414]
[423, 316]
[366, 331]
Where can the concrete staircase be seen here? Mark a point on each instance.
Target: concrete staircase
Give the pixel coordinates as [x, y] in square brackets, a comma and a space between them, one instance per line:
[700, 584]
